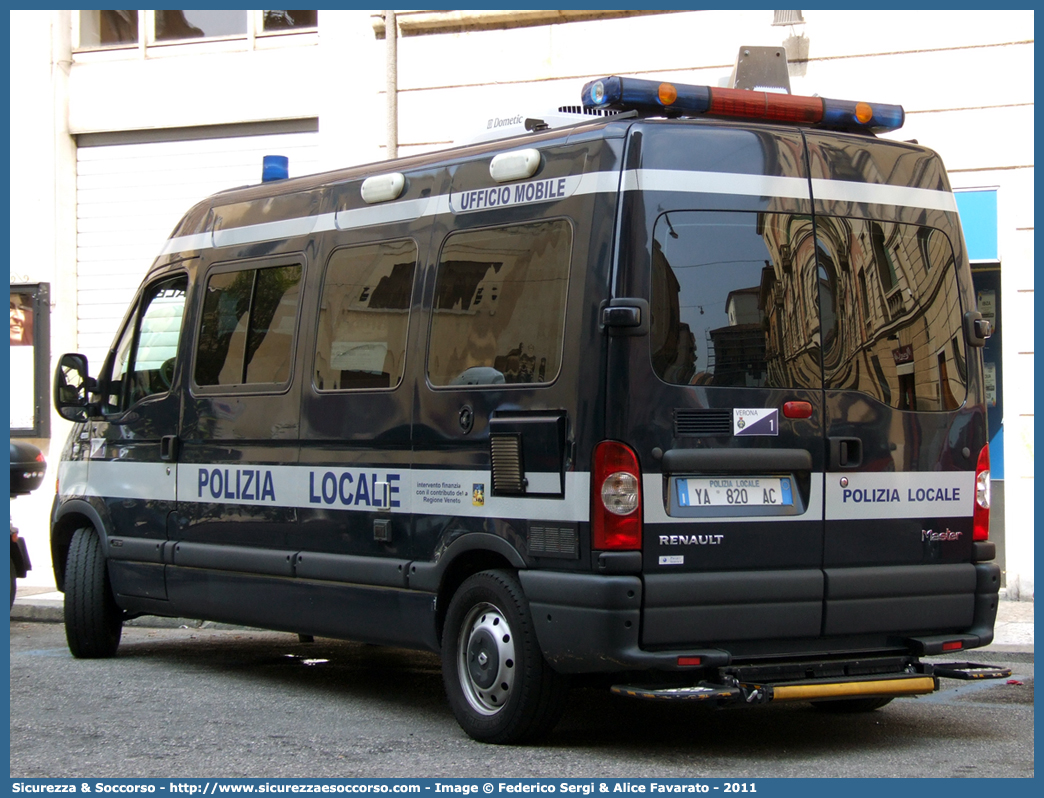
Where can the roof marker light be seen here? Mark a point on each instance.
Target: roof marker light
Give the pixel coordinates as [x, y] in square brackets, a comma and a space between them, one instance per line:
[514, 165]
[382, 188]
[678, 99]
[274, 167]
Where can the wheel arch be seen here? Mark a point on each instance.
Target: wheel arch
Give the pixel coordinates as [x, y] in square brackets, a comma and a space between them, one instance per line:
[467, 555]
[69, 517]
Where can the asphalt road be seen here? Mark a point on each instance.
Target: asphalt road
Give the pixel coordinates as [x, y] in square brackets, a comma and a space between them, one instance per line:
[216, 703]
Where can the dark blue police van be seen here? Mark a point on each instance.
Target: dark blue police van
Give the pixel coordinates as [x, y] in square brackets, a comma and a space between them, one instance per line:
[689, 392]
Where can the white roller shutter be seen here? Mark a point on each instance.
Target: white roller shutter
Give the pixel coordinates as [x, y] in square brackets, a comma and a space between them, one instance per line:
[129, 197]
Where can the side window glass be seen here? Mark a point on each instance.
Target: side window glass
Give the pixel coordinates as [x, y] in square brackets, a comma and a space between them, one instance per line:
[147, 349]
[900, 337]
[247, 329]
[121, 364]
[364, 316]
[499, 309]
[734, 300]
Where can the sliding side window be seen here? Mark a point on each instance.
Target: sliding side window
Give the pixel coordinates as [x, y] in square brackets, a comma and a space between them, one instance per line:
[246, 335]
[364, 317]
[499, 308]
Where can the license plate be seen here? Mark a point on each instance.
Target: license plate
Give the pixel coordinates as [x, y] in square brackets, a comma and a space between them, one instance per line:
[735, 492]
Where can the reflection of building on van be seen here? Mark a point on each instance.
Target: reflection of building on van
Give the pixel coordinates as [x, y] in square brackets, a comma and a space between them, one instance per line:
[691, 395]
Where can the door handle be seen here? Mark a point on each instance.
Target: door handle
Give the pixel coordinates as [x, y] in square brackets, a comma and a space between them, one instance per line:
[846, 452]
[169, 448]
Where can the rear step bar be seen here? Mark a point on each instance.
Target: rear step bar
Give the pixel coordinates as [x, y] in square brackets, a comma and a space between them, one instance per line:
[731, 691]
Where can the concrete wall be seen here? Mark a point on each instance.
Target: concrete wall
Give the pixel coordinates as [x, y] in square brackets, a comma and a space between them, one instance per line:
[965, 79]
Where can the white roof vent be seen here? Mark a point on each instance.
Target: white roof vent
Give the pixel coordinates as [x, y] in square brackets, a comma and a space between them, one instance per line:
[521, 124]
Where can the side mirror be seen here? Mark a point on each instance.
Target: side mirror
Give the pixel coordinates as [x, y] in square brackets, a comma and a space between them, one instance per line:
[72, 387]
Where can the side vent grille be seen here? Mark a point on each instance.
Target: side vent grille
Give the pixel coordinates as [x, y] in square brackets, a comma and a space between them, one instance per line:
[702, 423]
[552, 540]
[505, 451]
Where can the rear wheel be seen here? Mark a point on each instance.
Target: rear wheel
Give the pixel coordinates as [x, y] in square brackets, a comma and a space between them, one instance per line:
[499, 686]
[844, 706]
[93, 622]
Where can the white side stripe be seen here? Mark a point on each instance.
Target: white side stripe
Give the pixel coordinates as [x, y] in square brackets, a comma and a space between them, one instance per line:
[717, 183]
[727, 183]
[466, 493]
[876, 194]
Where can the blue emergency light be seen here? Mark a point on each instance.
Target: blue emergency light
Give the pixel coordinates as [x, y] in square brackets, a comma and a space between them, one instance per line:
[679, 99]
[274, 167]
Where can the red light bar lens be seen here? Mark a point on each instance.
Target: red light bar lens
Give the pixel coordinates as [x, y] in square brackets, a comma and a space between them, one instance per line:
[689, 661]
[952, 645]
[764, 105]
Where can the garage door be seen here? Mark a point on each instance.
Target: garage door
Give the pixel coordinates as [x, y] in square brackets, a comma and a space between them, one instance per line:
[130, 193]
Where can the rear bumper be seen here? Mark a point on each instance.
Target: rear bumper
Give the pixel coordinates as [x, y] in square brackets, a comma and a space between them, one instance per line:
[590, 623]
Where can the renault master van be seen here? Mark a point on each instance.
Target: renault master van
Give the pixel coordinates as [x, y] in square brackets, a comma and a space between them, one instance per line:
[689, 392]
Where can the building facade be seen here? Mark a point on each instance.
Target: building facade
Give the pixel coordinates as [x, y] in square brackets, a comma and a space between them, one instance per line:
[120, 120]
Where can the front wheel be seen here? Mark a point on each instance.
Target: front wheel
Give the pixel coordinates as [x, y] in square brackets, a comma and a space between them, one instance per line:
[93, 622]
[499, 686]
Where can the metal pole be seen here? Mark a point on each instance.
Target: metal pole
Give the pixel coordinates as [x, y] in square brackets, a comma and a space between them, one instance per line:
[391, 41]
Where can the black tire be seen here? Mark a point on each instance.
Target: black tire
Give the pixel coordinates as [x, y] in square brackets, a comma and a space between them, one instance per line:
[499, 685]
[93, 622]
[847, 706]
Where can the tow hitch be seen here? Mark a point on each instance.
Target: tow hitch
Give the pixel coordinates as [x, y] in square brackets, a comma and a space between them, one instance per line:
[918, 678]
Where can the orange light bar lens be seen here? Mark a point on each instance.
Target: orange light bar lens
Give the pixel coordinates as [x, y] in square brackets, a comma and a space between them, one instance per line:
[864, 113]
[667, 94]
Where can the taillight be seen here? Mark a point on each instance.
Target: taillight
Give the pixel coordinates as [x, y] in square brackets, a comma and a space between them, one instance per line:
[616, 498]
[981, 515]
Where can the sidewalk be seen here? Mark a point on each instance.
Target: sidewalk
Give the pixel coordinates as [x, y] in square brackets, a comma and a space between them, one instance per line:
[1013, 631]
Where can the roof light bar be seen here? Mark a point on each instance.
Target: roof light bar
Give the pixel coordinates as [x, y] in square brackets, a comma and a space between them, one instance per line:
[679, 99]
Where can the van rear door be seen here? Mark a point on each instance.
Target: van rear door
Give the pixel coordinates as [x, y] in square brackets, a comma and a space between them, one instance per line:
[722, 401]
[904, 417]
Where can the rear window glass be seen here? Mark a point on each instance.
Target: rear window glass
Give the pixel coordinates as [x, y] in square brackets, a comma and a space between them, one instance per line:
[892, 320]
[499, 309]
[364, 316]
[247, 330]
[766, 300]
[734, 300]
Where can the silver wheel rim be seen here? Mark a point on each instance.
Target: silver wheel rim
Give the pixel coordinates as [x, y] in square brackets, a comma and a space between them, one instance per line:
[486, 660]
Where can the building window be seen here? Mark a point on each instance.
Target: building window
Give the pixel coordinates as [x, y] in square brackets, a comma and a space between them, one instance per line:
[288, 20]
[108, 28]
[125, 29]
[199, 24]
